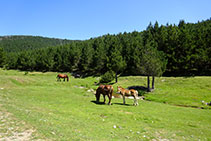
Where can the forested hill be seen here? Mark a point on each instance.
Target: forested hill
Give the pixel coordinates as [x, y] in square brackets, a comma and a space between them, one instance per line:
[21, 43]
[183, 49]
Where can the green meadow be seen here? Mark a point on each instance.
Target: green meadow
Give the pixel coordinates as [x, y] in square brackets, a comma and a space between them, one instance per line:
[34, 106]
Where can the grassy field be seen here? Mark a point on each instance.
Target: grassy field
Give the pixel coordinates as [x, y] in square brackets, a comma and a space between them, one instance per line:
[35, 106]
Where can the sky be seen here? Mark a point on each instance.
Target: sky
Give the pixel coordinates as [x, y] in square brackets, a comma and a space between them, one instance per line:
[85, 19]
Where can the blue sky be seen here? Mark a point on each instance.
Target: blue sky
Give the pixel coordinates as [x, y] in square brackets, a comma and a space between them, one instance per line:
[83, 19]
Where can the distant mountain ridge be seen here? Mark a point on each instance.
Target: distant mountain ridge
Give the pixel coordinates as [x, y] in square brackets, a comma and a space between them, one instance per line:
[18, 43]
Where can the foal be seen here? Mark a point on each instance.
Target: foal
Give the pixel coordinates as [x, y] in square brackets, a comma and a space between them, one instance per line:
[131, 92]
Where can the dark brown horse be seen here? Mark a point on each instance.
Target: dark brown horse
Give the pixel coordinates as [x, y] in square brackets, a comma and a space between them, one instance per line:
[105, 90]
[125, 92]
[64, 76]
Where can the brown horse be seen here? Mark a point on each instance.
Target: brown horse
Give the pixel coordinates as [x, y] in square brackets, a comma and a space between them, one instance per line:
[125, 92]
[105, 90]
[64, 76]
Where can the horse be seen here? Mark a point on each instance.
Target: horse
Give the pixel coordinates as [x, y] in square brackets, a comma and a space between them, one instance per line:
[64, 76]
[105, 90]
[131, 92]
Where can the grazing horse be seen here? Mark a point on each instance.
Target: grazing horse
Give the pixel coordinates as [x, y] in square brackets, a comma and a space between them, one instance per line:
[105, 90]
[125, 92]
[64, 76]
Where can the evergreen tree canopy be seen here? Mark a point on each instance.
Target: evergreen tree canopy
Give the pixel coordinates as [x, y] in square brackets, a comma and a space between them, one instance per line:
[187, 47]
[2, 57]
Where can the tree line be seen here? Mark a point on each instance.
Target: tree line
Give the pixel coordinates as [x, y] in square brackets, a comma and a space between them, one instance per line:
[183, 49]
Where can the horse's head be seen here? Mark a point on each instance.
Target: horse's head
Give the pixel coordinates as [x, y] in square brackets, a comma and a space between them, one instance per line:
[97, 95]
[99, 90]
[119, 88]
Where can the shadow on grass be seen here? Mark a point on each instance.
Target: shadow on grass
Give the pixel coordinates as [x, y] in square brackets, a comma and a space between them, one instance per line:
[141, 89]
[98, 103]
[102, 103]
[138, 88]
[122, 104]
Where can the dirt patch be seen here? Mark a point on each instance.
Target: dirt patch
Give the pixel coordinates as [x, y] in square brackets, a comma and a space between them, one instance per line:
[14, 129]
[23, 136]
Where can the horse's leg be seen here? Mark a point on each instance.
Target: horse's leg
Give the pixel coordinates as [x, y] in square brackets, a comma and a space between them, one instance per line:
[136, 97]
[109, 97]
[104, 98]
[135, 101]
[64, 79]
[111, 93]
[123, 99]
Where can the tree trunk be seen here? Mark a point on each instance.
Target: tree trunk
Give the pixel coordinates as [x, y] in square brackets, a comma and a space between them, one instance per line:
[116, 77]
[148, 83]
[153, 82]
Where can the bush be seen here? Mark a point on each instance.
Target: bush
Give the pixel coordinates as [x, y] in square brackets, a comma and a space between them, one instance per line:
[107, 77]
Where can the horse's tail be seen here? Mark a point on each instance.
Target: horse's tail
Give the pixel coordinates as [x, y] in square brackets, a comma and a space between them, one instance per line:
[67, 78]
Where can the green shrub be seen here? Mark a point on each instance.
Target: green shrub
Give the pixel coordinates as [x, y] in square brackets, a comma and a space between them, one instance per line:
[107, 77]
[26, 73]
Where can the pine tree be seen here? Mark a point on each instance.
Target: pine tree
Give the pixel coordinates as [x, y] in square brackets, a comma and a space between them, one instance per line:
[116, 63]
[86, 57]
[153, 62]
[2, 57]
[99, 58]
[58, 60]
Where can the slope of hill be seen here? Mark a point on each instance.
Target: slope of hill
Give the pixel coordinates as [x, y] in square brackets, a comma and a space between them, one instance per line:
[36, 105]
[21, 43]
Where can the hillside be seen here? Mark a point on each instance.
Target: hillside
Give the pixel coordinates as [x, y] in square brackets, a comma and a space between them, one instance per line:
[21, 43]
[36, 105]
